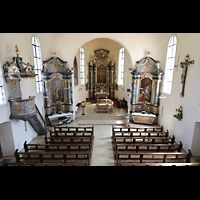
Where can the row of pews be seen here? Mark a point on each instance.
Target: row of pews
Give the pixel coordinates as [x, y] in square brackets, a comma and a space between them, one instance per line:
[65, 146]
[148, 147]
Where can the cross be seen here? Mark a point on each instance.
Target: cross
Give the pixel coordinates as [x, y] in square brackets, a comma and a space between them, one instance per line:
[185, 65]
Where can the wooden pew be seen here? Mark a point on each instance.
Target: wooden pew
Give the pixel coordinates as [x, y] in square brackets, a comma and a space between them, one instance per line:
[121, 131]
[56, 147]
[143, 139]
[139, 129]
[72, 131]
[132, 157]
[68, 140]
[148, 147]
[29, 164]
[121, 163]
[66, 134]
[53, 157]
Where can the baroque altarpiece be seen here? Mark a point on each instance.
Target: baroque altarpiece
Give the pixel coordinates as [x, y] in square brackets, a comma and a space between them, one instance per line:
[146, 84]
[57, 87]
[101, 77]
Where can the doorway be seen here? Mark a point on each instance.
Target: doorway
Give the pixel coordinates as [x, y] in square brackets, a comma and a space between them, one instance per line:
[196, 141]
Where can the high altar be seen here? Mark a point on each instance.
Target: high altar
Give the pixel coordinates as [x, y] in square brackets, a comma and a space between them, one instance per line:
[101, 78]
[146, 83]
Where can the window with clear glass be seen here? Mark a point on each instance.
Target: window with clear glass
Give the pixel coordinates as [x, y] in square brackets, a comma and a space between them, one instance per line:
[37, 63]
[82, 66]
[2, 91]
[169, 66]
[121, 67]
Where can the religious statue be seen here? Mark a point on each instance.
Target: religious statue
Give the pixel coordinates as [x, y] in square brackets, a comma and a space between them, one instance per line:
[185, 65]
[179, 114]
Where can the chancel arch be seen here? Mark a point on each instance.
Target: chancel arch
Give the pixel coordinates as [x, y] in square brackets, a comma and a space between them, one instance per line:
[110, 49]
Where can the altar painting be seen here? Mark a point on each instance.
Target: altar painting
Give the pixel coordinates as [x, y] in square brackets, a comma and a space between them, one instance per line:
[101, 74]
[57, 90]
[145, 90]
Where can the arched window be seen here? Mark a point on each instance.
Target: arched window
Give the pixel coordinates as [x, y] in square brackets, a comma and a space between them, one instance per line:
[2, 91]
[82, 66]
[169, 66]
[37, 63]
[121, 67]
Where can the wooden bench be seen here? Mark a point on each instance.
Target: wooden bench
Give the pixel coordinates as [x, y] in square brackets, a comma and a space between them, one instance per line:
[121, 163]
[57, 147]
[53, 157]
[131, 131]
[72, 131]
[132, 157]
[68, 140]
[143, 139]
[148, 147]
[78, 163]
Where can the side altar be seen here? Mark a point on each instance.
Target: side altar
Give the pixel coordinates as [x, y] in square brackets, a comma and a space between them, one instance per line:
[146, 84]
[58, 100]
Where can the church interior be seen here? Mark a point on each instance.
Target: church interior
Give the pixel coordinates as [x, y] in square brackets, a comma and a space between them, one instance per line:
[99, 99]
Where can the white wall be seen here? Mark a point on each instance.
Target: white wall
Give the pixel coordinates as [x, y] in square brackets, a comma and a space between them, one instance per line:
[188, 43]
[13, 135]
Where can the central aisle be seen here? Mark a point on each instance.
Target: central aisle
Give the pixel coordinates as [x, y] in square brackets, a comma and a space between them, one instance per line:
[102, 149]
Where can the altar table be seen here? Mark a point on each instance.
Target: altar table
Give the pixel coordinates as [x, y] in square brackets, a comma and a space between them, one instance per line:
[101, 95]
[140, 118]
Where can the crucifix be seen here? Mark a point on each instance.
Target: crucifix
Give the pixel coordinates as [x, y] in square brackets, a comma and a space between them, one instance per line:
[185, 65]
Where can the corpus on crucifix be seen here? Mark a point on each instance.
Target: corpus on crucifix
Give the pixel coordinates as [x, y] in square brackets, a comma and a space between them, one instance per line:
[185, 65]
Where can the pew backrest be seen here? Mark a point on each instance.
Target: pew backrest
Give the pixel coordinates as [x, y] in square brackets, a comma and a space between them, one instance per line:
[143, 139]
[128, 156]
[53, 156]
[68, 140]
[72, 131]
[121, 163]
[121, 131]
[56, 147]
[148, 147]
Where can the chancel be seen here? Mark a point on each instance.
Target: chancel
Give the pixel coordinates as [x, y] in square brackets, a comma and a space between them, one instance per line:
[104, 99]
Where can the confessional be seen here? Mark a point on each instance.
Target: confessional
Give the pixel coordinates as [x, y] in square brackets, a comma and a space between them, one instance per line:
[58, 101]
[146, 84]
[101, 77]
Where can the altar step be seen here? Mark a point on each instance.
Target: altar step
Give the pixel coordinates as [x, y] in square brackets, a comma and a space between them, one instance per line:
[84, 117]
[97, 120]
